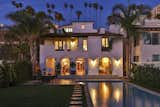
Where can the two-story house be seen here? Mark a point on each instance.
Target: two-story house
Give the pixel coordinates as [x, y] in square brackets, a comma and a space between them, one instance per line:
[81, 49]
[147, 43]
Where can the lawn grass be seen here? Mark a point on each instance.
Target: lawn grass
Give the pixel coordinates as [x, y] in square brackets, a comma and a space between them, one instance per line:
[36, 96]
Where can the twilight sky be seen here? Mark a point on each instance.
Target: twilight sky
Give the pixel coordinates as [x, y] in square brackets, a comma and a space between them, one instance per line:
[6, 7]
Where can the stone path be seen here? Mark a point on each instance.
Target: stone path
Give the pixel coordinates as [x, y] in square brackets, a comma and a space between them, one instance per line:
[77, 98]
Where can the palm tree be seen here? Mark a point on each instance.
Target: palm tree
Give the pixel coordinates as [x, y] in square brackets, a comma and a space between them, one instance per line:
[30, 10]
[65, 5]
[17, 5]
[59, 17]
[86, 8]
[125, 15]
[90, 7]
[78, 13]
[71, 7]
[101, 9]
[66, 8]
[52, 6]
[95, 6]
[28, 28]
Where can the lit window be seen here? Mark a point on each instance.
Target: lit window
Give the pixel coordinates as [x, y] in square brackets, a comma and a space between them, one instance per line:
[56, 45]
[74, 44]
[59, 45]
[82, 26]
[68, 29]
[68, 45]
[85, 48]
[105, 43]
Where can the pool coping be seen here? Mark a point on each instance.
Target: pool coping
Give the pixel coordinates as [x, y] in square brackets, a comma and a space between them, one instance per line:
[143, 88]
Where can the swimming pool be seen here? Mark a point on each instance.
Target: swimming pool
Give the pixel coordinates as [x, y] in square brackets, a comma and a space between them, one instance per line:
[119, 94]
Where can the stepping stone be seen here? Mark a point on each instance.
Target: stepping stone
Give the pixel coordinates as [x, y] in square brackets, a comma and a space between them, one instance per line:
[76, 98]
[76, 103]
[75, 106]
[77, 92]
[77, 95]
[77, 88]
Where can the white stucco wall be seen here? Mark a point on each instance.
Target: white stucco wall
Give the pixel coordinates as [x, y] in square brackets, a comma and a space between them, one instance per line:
[94, 52]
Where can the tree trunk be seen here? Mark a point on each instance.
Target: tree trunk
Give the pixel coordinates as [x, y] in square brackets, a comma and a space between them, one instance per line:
[126, 56]
[33, 56]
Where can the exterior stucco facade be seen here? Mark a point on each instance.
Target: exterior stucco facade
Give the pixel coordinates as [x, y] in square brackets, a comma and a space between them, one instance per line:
[94, 51]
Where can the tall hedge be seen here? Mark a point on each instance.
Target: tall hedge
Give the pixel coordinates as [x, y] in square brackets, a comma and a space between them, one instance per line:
[147, 75]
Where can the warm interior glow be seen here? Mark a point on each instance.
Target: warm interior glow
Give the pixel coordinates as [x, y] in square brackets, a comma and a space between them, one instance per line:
[104, 67]
[50, 66]
[117, 95]
[65, 66]
[56, 45]
[105, 42]
[105, 60]
[82, 26]
[74, 44]
[80, 66]
[85, 48]
[68, 29]
[59, 44]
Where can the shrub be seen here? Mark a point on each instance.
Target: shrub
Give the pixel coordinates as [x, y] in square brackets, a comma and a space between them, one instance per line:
[15, 73]
[9, 76]
[23, 70]
[147, 75]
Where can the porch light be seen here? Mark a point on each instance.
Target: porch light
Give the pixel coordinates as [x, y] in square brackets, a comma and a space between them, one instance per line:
[117, 62]
[93, 62]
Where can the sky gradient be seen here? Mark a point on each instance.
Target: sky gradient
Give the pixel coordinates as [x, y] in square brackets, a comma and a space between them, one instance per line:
[6, 7]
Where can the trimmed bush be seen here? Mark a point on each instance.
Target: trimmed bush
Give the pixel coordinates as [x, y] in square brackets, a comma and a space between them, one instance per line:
[11, 74]
[147, 75]
[23, 70]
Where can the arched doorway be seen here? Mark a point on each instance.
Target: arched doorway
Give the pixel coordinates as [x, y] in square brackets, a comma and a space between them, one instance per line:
[105, 66]
[80, 66]
[50, 67]
[65, 66]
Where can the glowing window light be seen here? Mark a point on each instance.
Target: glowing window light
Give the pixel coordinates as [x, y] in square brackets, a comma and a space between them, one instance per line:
[85, 47]
[74, 44]
[68, 29]
[105, 60]
[50, 62]
[56, 45]
[68, 45]
[82, 26]
[105, 42]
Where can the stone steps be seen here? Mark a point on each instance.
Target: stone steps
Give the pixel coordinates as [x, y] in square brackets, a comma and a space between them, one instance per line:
[76, 99]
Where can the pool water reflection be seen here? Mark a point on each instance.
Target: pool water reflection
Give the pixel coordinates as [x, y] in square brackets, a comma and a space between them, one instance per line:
[118, 94]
